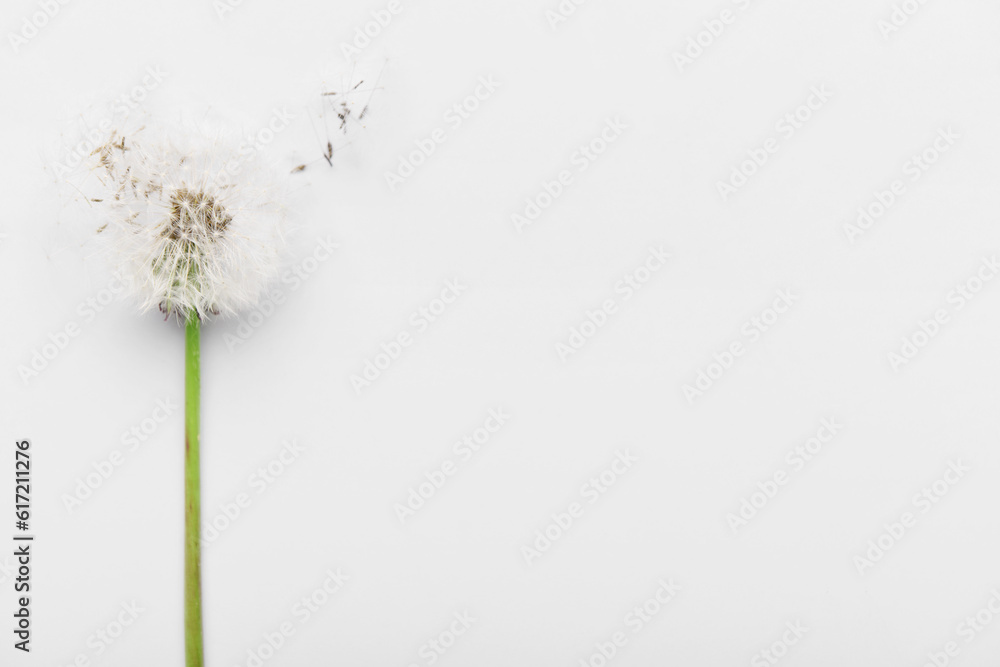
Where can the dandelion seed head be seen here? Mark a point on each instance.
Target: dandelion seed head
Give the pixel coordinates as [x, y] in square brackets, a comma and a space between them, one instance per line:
[192, 223]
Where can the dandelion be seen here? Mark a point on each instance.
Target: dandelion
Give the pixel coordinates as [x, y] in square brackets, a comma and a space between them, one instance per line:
[195, 230]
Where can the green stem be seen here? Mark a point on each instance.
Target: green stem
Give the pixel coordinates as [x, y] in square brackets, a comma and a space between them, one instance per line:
[192, 494]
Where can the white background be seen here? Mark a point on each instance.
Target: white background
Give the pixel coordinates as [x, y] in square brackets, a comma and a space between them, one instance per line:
[687, 128]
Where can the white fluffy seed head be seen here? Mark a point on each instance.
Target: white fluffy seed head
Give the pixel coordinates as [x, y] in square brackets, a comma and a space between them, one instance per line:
[194, 225]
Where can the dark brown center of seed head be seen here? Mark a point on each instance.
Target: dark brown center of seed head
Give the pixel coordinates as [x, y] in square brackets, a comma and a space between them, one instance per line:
[195, 214]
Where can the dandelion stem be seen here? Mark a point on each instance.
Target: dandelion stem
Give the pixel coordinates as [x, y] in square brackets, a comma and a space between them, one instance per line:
[192, 494]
